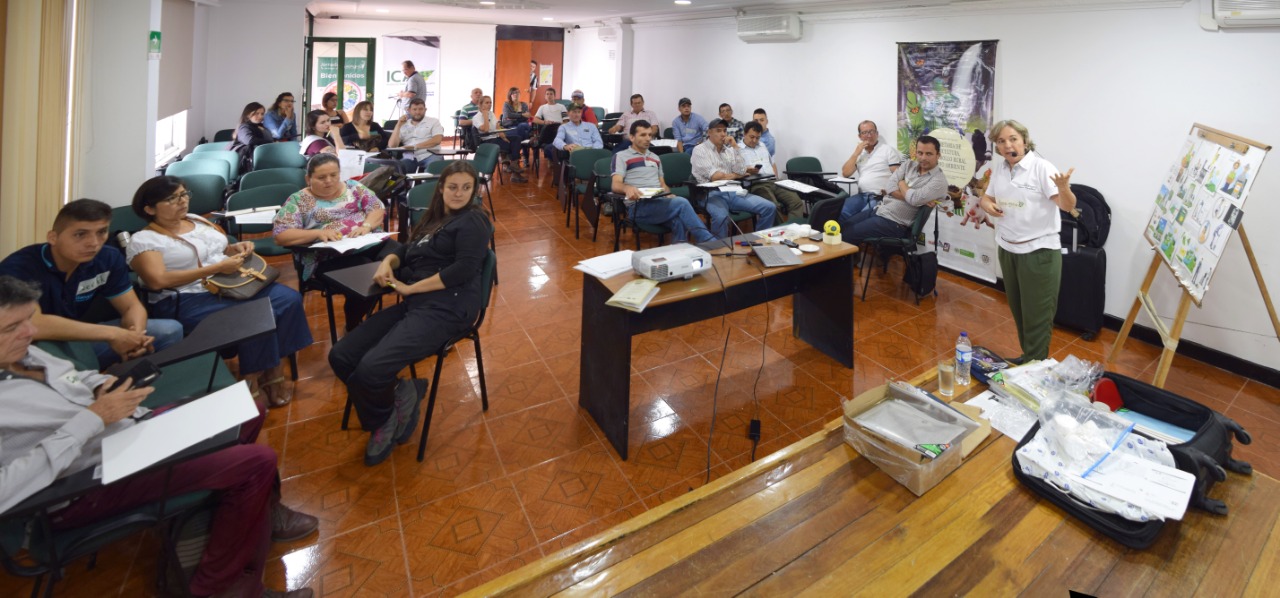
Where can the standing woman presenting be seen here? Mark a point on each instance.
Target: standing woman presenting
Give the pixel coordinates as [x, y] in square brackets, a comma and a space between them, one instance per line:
[1025, 194]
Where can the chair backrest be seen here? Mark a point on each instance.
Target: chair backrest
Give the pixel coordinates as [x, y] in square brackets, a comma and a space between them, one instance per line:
[231, 158]
[420, 199]
[216, 167]
[668, 134]
[438, 166]
[389, 125]
[206, 191]
[548, 133]
[676, 168]
[922, 218]
[486, 284]
[565, 103]
[274, 176]
[599, 112]
[225, 135]
[210, 147]
[285, 154]
[604, 175]
[804, 164]
[124, 219]
[827, 209]
[584, 160]
[258, 197]
[613, 115]
[486, 160]
[78, 352]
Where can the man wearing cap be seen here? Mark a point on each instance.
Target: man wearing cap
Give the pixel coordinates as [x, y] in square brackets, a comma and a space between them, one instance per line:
[577, 134]
[588, 114]
[718, 159]
[689, 129]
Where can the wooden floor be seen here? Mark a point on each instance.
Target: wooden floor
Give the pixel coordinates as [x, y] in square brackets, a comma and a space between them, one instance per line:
[815, 519]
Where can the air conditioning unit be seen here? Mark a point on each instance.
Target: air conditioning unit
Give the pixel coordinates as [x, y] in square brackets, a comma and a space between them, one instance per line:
[1247, 13]
[607, 34]
[772, 28]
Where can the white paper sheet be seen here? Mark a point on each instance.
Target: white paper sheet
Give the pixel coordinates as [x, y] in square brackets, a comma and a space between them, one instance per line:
[262, 217]
[671, 143]
[1013, 421]
[136, 448]
[840, 179]
[608, 265]
[796, 186]
[352, 243]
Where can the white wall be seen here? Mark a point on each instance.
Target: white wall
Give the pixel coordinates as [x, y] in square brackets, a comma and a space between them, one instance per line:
[466, 57]
[1110, 93]
[254, 52]
[199, 77]
[118, 128]
[593, 66]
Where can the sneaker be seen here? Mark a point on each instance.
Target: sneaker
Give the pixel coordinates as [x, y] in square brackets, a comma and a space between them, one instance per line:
[409, 394]
[288, 525]
[381, 441]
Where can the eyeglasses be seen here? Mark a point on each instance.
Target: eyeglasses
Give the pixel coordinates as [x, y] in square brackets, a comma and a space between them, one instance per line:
[179, 197]
[865, 133]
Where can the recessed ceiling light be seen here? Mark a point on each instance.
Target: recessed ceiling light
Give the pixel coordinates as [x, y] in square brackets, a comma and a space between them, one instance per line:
[548, 18]
[684, 2]
[382, 10]
[488, 2]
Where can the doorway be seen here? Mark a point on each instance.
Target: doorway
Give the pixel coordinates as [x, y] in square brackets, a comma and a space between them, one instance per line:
[333, 59]
[518, 48]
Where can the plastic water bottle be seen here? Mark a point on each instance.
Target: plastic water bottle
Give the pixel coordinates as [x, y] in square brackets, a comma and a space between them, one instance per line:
[964, 358]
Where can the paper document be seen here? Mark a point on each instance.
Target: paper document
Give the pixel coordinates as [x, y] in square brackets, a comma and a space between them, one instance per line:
[352, 243]
[1010, 418]
[263, 217]
[608, 265]
[671, 143]
[647, 192]
[634, 295]
[710, 184]
[420, 176]
[840, 179]
[1160, 489]
[136, 448]
[796, 186]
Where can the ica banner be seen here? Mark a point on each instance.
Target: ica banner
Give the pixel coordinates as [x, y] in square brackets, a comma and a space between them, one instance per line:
[946, 89]
[393, 50]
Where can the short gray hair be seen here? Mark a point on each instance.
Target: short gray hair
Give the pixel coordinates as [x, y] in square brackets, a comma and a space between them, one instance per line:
[15, 292]
[1017, 126]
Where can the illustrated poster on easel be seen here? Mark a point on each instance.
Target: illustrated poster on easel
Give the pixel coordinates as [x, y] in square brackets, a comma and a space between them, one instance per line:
[1199, 205]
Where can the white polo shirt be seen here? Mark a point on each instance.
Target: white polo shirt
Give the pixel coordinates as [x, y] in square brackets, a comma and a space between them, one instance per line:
[873, 167]
[1031, 220]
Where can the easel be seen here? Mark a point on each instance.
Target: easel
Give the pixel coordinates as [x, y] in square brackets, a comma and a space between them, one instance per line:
[1171, 337]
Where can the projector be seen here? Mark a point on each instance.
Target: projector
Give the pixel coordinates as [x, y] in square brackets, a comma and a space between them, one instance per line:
[681, 260]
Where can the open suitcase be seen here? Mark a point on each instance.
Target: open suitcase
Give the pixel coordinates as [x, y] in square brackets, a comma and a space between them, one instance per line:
[1207, 455]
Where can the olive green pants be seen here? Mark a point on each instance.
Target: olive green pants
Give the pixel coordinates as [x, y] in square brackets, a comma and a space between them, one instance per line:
[787, 201]
[1031, 282]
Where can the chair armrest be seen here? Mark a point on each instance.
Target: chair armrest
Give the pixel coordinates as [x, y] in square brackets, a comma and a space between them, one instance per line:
[807, 173]
[219, 330]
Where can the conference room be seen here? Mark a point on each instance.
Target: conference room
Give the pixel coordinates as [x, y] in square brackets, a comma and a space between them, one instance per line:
[547, 441]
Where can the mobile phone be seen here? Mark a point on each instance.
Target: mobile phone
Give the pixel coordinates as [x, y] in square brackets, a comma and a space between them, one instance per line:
[758, 166]
[790, 243]
[144, 374]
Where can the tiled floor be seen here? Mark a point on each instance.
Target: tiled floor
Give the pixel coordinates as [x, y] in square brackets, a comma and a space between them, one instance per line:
[532, 475]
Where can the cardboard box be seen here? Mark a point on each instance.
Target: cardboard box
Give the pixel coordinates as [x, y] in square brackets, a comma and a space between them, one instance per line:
[917, 472]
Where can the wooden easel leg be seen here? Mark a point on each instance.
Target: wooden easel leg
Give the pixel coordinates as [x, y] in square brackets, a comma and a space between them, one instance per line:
[1133, 312]
[1262, 286]
[1171, 344]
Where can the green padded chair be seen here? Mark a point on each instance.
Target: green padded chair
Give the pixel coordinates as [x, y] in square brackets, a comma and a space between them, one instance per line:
[438, 166]
[667, 133]
[565, 103]
[677, 171]
[621, 218]
[123, 219]
[258, 197]
[207, 190]
[808, 170]
[231, 158]
[285, 154]
[186, 168]
[599, 113]
[225, 135]
[274, 176]
[581, 178]
[214, 146]
[892, 246]
[486, 162]
[419, 200]
[488, 274]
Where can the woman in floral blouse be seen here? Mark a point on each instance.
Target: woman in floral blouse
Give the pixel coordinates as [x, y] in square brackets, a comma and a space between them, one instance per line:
[329, 209]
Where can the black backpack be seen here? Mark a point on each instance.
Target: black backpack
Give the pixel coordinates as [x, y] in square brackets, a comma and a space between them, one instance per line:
[921, 274]
[385, 182]
[1092, 218]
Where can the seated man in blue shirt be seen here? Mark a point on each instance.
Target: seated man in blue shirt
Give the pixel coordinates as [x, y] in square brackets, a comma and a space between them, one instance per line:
[719, 159]
[75, 270]
[689, 129]
[577, 134]
[637, 168]
[916, 184]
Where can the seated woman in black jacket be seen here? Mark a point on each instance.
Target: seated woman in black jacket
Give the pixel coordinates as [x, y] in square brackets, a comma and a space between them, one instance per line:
[250, 134]
[362, 132]
[438, 274]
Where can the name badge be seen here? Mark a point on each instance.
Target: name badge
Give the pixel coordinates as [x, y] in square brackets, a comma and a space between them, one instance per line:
[87, 286]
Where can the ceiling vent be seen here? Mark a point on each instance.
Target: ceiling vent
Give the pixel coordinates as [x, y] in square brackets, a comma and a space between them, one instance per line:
[1247, 13]
[608, 34]
[772, 28]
